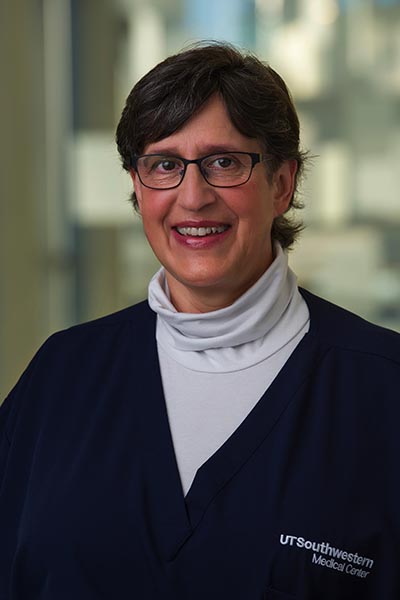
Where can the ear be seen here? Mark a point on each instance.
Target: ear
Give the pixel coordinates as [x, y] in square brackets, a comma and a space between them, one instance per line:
[137, 187]
[283, 182]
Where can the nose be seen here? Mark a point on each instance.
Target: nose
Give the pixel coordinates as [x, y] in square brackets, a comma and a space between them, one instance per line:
[194, 193]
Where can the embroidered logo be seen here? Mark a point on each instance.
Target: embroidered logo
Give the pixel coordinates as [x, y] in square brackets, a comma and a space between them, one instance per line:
[324, 555]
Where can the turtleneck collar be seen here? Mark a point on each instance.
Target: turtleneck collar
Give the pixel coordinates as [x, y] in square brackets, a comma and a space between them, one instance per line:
[260, 322]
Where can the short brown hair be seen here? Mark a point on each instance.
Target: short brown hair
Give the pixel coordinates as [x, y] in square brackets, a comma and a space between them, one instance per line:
[256, 97]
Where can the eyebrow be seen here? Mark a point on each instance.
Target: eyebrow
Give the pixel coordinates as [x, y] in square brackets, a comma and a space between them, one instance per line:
[205, 150]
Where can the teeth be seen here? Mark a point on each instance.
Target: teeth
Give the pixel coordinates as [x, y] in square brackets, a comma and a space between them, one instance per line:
[201, 231]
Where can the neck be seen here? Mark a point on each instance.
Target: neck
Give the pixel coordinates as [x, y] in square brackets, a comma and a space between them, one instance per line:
[267, 316]
[194, 300]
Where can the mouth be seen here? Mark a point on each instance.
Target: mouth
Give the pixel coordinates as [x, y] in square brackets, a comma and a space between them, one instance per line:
[201, 231]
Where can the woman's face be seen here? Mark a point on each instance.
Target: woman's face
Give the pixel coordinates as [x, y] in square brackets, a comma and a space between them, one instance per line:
[209, 272]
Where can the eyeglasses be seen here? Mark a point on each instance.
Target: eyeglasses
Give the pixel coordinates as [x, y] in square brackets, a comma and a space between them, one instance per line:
[225, 169]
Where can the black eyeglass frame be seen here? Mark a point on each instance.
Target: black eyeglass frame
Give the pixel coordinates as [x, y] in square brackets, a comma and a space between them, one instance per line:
[255, 159]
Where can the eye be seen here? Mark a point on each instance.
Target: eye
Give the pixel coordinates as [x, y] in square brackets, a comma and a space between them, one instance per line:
[165, 164]
[168, 165]
[219, 163]
[223, 162]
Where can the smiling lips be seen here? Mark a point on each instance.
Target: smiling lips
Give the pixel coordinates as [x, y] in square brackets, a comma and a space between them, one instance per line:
[201, 231]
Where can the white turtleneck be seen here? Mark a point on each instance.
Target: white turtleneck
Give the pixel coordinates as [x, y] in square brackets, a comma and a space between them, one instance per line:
[215, 366]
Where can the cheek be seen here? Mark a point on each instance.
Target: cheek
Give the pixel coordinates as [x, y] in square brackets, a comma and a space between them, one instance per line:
[147, 205]
[256, 212]
[151, 227]
[153, 216]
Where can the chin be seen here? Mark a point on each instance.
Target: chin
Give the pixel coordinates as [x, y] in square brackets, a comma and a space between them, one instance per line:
[201, 278]
[202, 281]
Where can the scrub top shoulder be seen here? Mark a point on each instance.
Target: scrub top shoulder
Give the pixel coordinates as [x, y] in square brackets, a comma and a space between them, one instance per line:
[300, 502]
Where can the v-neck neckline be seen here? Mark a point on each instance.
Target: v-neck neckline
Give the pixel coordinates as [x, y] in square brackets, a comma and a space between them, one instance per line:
[176, 516]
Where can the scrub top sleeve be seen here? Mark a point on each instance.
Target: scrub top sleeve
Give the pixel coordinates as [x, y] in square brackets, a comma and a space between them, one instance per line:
[11, 407]
[9, 411]
[5, 410]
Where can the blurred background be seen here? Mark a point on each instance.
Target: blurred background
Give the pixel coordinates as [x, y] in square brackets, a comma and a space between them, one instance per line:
[71, 248]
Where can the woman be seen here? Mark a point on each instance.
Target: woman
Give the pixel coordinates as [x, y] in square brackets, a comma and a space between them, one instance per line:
[232, 437]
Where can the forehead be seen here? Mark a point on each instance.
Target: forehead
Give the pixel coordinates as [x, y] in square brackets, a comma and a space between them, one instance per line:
[209, 130]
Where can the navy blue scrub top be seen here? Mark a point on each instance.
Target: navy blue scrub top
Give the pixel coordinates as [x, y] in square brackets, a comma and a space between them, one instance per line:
[301, 502]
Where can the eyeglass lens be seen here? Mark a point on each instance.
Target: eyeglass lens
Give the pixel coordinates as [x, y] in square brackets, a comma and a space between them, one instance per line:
[160, 171]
